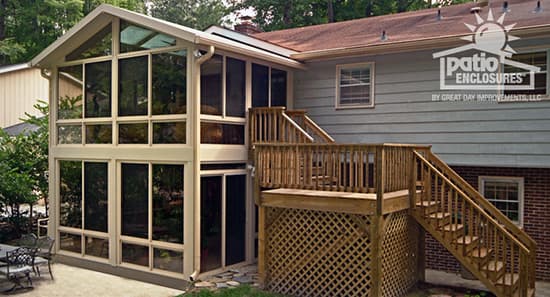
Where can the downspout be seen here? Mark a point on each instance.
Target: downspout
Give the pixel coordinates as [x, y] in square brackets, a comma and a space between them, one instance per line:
[196, 133]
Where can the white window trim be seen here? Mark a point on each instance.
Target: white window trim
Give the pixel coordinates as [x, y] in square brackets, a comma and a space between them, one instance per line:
[339, 67]
[519, 180]
[533, 50]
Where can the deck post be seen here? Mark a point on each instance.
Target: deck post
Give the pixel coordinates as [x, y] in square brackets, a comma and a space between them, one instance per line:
[380, 180]
[261, 246]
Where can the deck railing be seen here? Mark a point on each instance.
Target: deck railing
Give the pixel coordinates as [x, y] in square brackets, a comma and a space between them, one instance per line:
[358, 168]
[272, 125]
[488, 237]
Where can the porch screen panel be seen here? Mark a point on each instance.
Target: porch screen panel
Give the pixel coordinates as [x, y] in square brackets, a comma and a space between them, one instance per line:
[211, 223]
[169, 83]
[133, 86]
[98, 90]
[211, 86]
[278, 87]
[135, 193]
[96, 196]
[69, 84]
[70, 192]
[235, 87]
[168, 203]
[260, 85]
[235, 219]
[97, 46]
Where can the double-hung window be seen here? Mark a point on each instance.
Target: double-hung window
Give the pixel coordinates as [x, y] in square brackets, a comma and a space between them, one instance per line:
[355, 85]
[538, 59]
[506, 193]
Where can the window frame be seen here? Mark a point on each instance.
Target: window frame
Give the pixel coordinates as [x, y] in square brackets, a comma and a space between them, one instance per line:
[525, 51]
[339, 68]
[507, 179]
[82, 232]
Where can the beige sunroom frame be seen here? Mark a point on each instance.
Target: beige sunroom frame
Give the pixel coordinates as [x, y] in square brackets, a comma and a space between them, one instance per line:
[184, 154]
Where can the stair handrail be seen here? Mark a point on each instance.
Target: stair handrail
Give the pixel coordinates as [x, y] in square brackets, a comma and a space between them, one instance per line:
[310, 124]
[485, 204]
[278, 111]
[474, 204]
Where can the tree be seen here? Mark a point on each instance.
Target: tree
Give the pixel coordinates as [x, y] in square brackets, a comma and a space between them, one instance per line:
[133, 5]
[23, 166]
[198, 14]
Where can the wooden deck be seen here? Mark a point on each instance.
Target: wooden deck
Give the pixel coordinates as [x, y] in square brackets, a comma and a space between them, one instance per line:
[346, 202]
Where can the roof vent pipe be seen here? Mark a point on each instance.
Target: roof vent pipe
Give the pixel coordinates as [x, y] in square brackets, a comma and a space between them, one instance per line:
[439, 14]
[475, 9]
[538, 8]
[505, 7]
[384, 37]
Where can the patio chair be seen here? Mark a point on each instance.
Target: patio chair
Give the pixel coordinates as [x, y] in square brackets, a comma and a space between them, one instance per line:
[18, 266]
[44, 254]
[27, 240]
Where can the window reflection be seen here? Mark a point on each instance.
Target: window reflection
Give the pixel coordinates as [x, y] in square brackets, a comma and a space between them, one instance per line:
[97, 247]
[135, 254]
[260, 85]
[70, 193]
[98, 45]
[69, 83]
[133, 133]
[169, 83]
[211, 86]
[168, 260]
[135, 38]
[69, 134]
[168, 203]
[98, 90]
[278, 87]
[97, 134]
[132, 86]
[135, 189]
[95, 196]
[235, 87]
[169, 132]
[217, 133]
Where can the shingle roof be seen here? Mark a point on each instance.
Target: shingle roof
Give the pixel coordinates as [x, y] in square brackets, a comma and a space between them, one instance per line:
[403, 27]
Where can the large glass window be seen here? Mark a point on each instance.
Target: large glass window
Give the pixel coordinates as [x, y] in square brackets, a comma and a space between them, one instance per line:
[171, 132]
[218, 133]
[211, 86]
[83, 205]
[235, 87]
[355, 85]
[218, 191]
[135, 197]
[162, 237]
[506, 193]
[133, 133]
[69, 84]
[132, 86]
[98, 89]
[169, 86]
[269, 86]
[97, 46]
[136, 38]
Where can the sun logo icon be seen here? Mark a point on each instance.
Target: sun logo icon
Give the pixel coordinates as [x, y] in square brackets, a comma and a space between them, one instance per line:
[491, 36]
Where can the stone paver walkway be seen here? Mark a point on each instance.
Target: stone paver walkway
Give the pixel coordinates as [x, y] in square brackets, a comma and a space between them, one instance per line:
[75, 282]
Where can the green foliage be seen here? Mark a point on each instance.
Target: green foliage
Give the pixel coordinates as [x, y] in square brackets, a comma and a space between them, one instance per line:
[198, 14]
[10, 51]
[282, 14]
[241, 291]
[24, 165]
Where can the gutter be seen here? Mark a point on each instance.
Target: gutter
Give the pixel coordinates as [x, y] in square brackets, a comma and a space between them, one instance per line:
[196, 138]
[404, 46]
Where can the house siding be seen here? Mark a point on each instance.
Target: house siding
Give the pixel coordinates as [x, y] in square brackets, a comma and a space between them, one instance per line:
[536, 215]
[19, 91]
[462, 133]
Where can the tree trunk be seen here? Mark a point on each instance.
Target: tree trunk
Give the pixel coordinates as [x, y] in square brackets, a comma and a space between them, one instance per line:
[287, 19]
[330, 11]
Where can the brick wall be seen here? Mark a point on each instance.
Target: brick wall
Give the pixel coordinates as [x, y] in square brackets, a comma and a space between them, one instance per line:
[536, 215]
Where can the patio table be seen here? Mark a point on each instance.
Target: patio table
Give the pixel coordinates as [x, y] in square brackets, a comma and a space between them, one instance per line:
[5, 248]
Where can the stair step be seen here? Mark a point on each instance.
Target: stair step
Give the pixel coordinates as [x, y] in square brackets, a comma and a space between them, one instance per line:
[428, 206]
[508, 280]
[495, 269]
[480, 254]
[454, 229]
[467, 239]
[439, 219]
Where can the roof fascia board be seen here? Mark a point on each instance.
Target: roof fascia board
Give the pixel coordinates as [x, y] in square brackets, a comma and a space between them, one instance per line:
[250, 40]
[406, 46]
[13, 68]
[233, 46]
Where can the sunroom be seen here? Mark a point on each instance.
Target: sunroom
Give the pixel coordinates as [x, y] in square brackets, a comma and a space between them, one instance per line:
[148, 145]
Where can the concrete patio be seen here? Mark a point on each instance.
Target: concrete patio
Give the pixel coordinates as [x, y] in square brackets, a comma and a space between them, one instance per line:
[73, 282]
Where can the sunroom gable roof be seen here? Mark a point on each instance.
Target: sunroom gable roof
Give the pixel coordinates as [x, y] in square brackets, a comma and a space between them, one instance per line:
[104, 14]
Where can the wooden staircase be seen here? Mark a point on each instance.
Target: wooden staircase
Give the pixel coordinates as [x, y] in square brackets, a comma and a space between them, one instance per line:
[291, 151]
[478, 235]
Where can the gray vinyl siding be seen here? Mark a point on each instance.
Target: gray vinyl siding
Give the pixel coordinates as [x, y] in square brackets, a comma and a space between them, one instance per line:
[462, 133]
